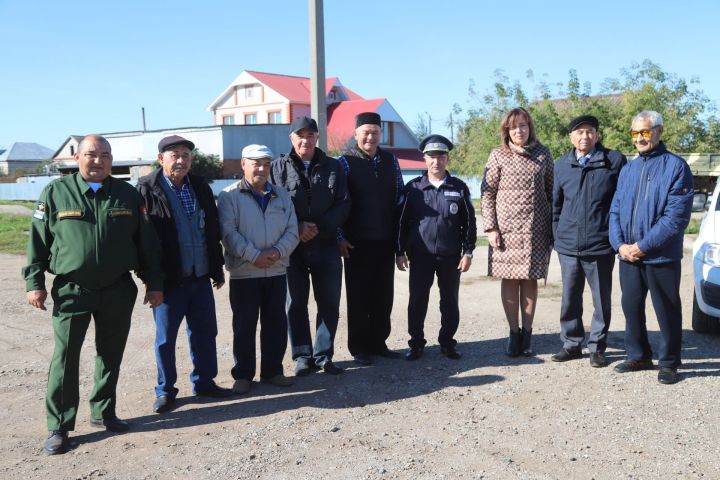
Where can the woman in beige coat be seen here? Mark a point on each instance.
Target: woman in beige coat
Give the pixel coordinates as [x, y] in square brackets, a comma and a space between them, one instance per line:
[516, 208]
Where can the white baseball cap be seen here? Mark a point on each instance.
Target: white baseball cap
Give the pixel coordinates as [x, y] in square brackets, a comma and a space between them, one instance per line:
[254, 151]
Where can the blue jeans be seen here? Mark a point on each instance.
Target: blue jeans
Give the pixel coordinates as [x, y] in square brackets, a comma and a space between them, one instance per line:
[318, 261]
[194, 301]
[250, 297]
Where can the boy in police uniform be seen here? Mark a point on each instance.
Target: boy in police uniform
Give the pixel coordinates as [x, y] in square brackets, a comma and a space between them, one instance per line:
[437, 235]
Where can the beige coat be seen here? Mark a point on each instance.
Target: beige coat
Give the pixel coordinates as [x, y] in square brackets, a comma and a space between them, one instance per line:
[516, 202]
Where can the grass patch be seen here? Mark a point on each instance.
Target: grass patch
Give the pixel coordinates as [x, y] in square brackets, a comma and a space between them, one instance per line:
[693, 227]
[30, 205]
[14, 233]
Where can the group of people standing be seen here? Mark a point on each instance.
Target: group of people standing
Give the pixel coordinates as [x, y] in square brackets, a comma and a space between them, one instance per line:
[292, 220]
[590, 205]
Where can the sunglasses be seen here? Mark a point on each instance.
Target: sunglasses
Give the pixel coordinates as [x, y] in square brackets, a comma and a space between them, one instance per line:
[646, 134]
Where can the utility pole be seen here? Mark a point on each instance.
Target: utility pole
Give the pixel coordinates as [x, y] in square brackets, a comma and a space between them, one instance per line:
[429, 123]
[318, 109]
[143, 118]
[452, 132]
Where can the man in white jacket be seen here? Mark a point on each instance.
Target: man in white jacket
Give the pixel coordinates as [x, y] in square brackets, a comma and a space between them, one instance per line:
[259, 232]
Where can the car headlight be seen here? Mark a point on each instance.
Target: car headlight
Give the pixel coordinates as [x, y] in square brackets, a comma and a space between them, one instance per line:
[711, 256]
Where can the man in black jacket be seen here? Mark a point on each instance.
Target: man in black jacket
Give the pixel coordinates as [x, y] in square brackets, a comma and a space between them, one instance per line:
[585, 181]
[375, 184]
[182, 209]
[318, 187]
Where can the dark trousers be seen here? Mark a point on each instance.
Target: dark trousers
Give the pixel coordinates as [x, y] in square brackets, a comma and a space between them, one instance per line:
[597, 270]
[423, 268]
[248, 298]
[369, 281]
[318, 261]
[663, 282]
[194, 301]
[74, 306]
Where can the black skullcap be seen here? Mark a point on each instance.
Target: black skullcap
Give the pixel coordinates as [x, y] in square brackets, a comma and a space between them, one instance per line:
[367, 118]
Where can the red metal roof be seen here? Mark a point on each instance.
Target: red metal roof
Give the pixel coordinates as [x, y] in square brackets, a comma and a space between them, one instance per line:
[341, 120]
[408, 158]
[296, 89]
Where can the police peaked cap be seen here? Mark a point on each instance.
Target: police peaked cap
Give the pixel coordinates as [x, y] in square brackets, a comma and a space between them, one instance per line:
[435, 143]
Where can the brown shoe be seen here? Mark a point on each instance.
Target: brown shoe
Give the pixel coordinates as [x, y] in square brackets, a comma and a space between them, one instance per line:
[279, 380]
[633, 366]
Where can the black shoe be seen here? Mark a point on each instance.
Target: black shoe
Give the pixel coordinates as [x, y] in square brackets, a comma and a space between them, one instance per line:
[56, 443]
[668, 375]
[330, 368]
[215, 391]
[598, 360]
[387, 353]
[303, 366]
[451, 353]
[527, 342]
[566, 354]
[111, 424]
[362, 359]
[633, 366]
[514, 344]
[163, 404]
[414, 354]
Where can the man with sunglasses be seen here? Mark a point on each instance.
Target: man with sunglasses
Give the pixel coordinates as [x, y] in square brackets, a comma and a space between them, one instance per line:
[648, 216]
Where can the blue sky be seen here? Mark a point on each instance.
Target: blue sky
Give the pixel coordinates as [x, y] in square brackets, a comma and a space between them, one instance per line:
[77, 67]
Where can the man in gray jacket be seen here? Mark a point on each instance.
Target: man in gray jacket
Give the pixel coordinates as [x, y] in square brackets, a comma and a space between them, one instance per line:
[259, 232]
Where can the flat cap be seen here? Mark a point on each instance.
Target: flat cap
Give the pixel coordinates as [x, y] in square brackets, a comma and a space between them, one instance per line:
[173, 140]
[577, 121]
[303, 122]
[367, 118]
[435, 143]
[255, 151]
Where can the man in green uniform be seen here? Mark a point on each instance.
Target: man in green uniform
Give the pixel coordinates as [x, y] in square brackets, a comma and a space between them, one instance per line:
[90, 230]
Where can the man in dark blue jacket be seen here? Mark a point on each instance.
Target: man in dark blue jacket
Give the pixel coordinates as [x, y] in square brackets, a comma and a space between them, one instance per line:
[182, 209]
[649, 213]
[585, 181]
[318, 187]
[437, 234]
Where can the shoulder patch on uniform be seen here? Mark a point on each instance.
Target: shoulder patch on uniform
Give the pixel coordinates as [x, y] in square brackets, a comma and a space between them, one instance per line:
[70, 214]
[453, 208]
[120, 212]
[39, 212]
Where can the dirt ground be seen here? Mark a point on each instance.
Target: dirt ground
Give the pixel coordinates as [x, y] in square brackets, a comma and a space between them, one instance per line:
[485, 416]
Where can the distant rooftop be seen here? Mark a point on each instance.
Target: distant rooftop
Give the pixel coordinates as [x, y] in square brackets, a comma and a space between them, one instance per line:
[25, 151]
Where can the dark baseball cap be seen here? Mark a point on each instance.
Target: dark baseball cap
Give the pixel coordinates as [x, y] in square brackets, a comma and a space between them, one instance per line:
[303, 122]
[173, 140]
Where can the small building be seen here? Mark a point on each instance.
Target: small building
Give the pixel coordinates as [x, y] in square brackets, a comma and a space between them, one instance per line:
[25, 156]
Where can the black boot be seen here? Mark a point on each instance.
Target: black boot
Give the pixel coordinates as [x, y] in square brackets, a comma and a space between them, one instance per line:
[514, 344]
[526, 339]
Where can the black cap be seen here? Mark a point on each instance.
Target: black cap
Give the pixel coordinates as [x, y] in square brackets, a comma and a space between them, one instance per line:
[303, 122]
[435, 143]
[367, 118]
[173, 140]
[577, 121]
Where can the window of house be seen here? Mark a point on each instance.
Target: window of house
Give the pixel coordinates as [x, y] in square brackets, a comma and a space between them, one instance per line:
[228, 120]
[274, 117]
[72, 150]
[387, 133]
[250, 119]
[248, 92]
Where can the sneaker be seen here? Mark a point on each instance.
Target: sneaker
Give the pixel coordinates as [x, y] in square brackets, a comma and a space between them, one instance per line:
[241, 386]
[163, 404]
[278, 380]
[56, 443]
[303, 367]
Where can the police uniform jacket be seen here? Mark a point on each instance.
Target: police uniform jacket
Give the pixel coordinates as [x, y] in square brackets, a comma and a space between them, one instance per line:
[91, 238]
[160, 211]
[581, 201]
[436, 221]
[320, 197]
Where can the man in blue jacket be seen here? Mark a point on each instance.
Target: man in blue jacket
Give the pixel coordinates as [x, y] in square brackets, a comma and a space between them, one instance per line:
[649, 213]
[585, 181]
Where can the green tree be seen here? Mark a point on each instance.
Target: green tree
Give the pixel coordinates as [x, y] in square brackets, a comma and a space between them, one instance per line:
[691, 121]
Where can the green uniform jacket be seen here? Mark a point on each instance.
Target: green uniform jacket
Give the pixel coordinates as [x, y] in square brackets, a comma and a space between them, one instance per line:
[92, 238]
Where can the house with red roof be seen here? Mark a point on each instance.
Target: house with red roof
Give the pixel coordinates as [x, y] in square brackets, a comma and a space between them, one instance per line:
[257, 98]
